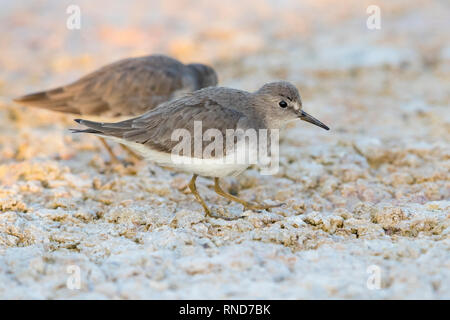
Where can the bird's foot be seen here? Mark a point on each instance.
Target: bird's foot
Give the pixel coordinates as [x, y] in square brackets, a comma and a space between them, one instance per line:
[257, 206]
[221, 216]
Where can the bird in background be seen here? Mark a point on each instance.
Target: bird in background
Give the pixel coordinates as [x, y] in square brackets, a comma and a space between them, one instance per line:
[150, 134]
[128, 87]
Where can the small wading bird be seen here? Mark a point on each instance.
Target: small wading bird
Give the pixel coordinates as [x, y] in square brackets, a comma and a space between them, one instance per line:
[127, 87]
[271, 107]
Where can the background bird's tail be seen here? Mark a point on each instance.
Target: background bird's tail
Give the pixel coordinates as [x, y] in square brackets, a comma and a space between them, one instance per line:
[56, 99]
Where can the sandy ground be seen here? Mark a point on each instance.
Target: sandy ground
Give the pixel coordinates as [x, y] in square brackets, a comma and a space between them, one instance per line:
[368, 200]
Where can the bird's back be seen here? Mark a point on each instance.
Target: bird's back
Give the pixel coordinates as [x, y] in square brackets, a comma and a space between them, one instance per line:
[213, 108]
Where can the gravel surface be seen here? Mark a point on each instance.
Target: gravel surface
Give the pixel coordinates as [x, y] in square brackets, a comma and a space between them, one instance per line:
[368, 200]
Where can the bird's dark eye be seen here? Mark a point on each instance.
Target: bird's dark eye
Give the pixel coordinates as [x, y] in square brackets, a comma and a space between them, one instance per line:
[283, 104]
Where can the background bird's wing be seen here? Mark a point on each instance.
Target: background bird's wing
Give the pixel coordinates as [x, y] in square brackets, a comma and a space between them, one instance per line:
[127, 87]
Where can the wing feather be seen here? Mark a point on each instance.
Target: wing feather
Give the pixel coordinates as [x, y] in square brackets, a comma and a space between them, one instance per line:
[154, 129]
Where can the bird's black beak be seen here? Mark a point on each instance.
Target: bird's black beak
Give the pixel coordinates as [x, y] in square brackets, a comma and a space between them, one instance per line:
[306, 117]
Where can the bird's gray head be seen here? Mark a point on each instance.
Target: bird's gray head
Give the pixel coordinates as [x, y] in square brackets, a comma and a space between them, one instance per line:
[205, 75]
[284, 104]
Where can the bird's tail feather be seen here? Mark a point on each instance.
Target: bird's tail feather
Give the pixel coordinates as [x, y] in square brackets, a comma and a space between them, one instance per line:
[102, 128]
[55, 99]
[85, 131]
[93, 127]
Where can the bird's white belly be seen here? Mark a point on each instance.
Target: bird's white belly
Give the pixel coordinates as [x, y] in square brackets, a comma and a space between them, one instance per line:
[217, 167]
[209, 168]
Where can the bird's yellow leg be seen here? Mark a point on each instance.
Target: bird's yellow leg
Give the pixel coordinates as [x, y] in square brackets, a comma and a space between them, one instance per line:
[194, 191]
[246, 204]
[131, 153]
[113, 157]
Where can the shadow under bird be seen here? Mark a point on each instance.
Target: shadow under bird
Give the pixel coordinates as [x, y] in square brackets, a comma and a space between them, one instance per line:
[128, 87]
[271, 107]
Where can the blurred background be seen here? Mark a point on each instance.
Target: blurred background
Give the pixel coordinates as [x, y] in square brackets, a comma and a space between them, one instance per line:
[326, 48]
[384, 93]
[243, 38]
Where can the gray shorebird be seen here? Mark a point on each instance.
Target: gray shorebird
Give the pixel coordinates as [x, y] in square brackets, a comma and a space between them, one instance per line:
[127, 87]
[221, 109]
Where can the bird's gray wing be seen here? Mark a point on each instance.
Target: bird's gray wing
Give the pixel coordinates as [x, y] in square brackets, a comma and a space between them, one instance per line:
[155, 128]
[127, 87]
